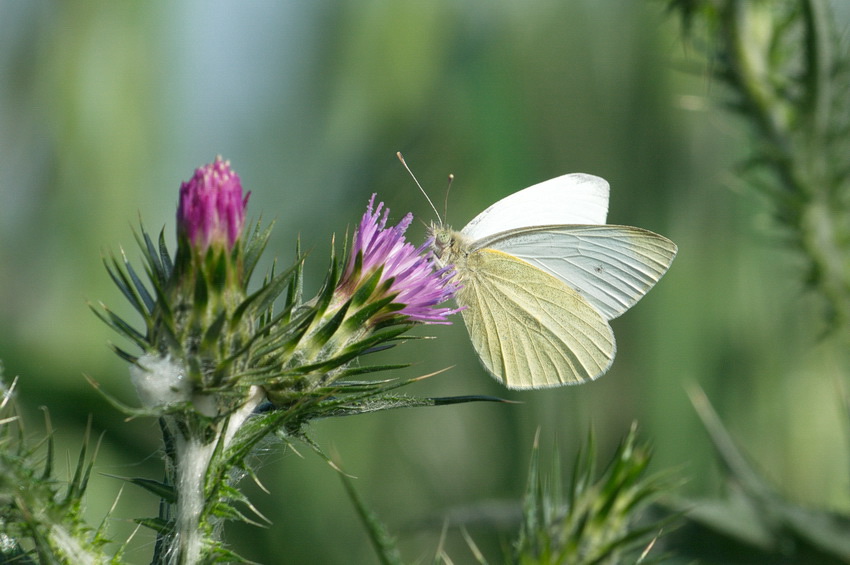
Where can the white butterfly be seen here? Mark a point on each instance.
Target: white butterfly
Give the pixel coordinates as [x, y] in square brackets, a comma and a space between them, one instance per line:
[542, 274]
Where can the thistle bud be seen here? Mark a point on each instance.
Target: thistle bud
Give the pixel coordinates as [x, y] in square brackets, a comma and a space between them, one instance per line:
[212, 209]
[193, 323]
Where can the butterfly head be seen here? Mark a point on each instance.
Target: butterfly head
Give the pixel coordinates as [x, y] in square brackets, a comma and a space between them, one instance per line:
[446, 244]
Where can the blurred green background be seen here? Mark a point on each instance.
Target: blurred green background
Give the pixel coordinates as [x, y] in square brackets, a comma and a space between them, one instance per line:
[105, 107]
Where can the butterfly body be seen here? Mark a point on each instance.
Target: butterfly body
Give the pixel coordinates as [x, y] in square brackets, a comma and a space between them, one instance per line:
[542, 274]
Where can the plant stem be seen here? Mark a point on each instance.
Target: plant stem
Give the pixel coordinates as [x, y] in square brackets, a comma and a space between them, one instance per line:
[70, 547]
[798, 141]
[194, 452]
[194, 460]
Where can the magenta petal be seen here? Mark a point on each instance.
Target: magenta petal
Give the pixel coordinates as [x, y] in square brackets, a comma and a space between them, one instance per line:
[418, 285]
[212, 209]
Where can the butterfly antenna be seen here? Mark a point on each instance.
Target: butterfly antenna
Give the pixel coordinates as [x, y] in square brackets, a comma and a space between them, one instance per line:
[401, 158]
[446, 203]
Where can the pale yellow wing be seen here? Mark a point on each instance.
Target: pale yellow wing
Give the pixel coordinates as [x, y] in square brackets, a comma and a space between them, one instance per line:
[611, 266]
[530, 329]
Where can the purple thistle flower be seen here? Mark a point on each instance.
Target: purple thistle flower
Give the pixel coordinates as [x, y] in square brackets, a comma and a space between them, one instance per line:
[417, 284]
[211, 209]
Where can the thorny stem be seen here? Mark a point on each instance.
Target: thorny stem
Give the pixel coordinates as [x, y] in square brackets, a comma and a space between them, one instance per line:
[802, 162]
[69, 546]
[194, 456]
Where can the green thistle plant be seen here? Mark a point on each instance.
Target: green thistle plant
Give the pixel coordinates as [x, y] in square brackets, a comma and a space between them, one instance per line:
[222, 368]
[41, 517]
[785, 67]
[753, 522]
[598, 520]
[786, 71]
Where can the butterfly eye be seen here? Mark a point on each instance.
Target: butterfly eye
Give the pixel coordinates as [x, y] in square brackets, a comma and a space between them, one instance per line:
[442, 239]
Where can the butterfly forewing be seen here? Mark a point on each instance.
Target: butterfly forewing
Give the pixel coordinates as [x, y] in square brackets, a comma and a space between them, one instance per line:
[530, 329]
[576, 198]
[612, 267]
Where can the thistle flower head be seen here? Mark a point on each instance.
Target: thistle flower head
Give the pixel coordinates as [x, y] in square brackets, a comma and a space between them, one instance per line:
[411, 272]
[212, 209]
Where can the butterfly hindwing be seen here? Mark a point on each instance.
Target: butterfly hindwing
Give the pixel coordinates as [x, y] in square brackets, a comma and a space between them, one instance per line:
[529, 329]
